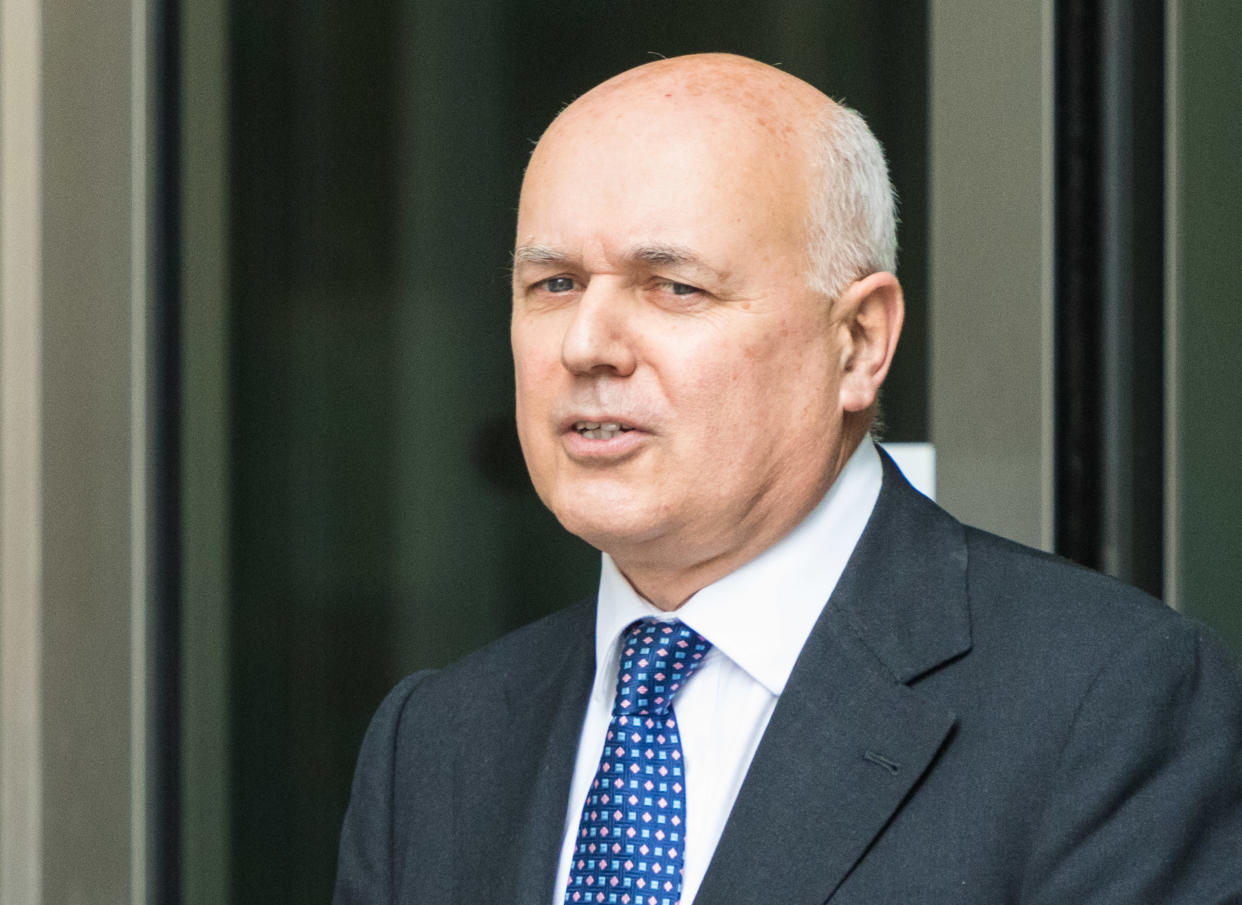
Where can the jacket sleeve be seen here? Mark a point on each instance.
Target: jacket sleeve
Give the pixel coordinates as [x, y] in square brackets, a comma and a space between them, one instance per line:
[1146, 802]
[365, 863]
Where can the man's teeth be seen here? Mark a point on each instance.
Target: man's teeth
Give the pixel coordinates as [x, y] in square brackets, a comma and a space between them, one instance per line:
[600, 430]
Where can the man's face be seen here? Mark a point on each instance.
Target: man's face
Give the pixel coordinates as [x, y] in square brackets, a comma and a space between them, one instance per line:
[677, 382]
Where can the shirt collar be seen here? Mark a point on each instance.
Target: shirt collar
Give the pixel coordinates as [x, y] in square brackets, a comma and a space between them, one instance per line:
[761, 614]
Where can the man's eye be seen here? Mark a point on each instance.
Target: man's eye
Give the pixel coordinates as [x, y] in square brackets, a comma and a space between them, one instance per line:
[679, 288]
[558, 284]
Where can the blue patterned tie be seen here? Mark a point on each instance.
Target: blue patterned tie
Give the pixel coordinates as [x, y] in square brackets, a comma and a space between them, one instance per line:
[632, 830]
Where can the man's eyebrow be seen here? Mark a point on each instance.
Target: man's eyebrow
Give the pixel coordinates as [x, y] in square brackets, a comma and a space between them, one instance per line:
[538, 254]
[659, 255]
[672, 256]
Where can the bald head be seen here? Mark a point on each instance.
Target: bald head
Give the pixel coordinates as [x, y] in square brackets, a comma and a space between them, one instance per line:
[812, 156]
[728, 88]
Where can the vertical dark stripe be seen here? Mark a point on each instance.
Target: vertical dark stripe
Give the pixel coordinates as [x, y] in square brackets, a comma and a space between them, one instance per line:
[1133, 242]
[1078, 426]
[164, 400]
[1110, 286]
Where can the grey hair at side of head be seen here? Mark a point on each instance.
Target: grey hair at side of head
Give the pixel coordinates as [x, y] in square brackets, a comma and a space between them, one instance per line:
[853, 207]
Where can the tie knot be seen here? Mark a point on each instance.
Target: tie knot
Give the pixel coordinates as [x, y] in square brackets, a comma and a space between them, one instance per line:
[657, 659]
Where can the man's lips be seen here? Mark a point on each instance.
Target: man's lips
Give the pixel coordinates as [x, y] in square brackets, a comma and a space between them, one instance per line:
[582, 423]
[601, 430]
[600, 436]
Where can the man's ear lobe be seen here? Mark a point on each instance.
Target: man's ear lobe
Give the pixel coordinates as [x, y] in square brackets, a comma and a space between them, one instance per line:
[873, 309]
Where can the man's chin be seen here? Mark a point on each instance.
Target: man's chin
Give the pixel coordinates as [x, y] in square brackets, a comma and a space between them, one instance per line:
[611, 528]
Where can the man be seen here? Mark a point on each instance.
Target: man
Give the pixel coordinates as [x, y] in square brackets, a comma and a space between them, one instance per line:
[801, 681]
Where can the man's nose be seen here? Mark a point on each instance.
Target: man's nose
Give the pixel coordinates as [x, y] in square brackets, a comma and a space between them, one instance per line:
[598, 339]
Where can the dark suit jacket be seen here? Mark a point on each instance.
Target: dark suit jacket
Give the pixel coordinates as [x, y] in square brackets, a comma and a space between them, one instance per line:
[969, 721]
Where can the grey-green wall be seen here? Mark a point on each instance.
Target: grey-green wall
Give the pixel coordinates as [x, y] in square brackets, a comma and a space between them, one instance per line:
[1207, 380]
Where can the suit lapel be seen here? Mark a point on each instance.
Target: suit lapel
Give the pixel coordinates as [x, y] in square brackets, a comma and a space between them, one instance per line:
[514, 762]
[544, 731]
[849, 738]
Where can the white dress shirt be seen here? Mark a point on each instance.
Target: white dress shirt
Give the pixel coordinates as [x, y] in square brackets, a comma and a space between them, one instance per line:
[757, 619]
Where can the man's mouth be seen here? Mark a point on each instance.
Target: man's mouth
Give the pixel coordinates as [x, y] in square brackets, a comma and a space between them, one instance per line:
[600, 430]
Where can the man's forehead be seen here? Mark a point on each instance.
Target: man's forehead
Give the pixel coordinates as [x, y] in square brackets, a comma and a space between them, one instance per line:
[647, 163]
[664, 133]
[687, 204]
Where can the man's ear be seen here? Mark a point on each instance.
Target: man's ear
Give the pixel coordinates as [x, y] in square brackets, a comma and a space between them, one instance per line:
[872, 310]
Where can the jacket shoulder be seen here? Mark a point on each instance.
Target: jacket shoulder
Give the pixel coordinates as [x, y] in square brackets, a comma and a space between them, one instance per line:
[1008, 578]
[1059, 628]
